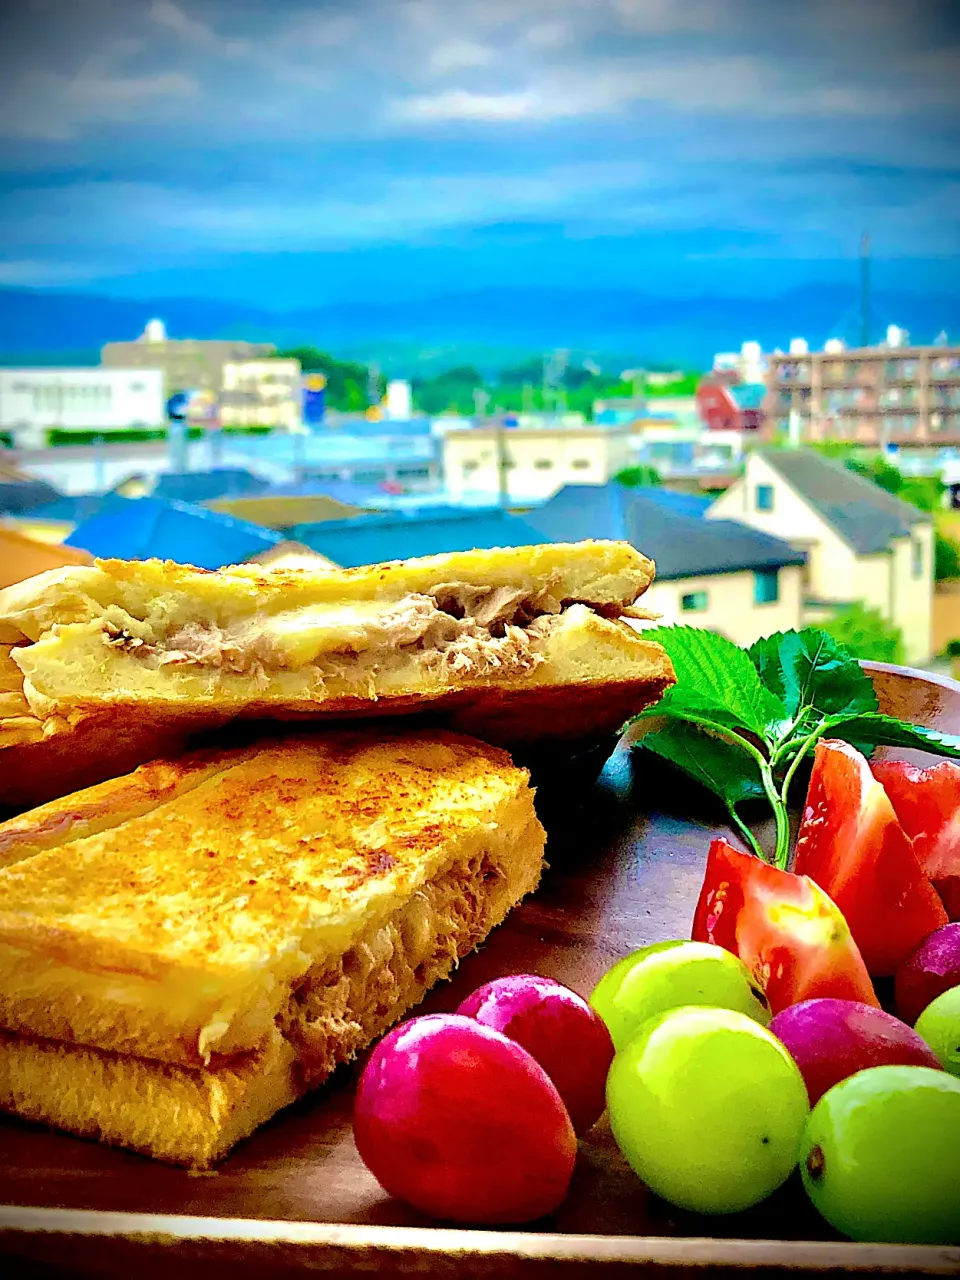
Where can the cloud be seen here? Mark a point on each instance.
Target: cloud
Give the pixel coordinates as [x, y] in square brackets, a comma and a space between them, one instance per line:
[194, 32]
[49, 107]
[458, 55]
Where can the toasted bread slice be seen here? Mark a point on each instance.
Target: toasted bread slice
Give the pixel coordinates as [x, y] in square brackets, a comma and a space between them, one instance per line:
[176, 914]
[446, 631]
[171, 1113]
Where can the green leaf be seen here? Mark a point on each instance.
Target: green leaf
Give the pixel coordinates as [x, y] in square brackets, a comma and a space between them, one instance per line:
[869, 731]
[809, 668]
[717, 764]
[716, 680]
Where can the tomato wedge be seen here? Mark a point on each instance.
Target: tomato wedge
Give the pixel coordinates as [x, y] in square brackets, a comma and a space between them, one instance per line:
[927, 804]
[784, 928]
[852, 845]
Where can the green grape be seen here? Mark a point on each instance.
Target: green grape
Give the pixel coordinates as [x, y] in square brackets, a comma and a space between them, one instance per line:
[880, 1156]
[708, 1107]
[939, 1025]
[670, 974]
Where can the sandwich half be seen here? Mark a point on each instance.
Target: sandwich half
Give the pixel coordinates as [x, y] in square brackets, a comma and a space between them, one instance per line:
[518, 645]
[198, 944]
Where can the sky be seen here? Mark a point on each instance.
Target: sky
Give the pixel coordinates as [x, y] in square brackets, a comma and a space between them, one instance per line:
[297, 153]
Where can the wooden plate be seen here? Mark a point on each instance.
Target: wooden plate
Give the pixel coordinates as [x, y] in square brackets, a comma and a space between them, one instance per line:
[626, 861]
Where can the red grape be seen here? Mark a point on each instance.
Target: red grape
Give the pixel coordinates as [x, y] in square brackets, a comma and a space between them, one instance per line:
[932, 969]
[832, 1039]
[566, 1036]
[463, 1124]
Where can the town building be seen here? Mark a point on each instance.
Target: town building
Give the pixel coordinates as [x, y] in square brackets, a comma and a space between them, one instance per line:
[874, 396]
[187, 364]
[722, 576]
[528, 465]
[723, 405]
[34, 402]
[861, 543]
[260, 393]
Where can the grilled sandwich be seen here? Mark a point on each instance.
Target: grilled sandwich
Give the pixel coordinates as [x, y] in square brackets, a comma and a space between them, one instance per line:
[185, 950]
[515, 645]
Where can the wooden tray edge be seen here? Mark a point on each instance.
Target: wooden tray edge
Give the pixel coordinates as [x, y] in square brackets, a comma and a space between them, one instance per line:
[69, 1236]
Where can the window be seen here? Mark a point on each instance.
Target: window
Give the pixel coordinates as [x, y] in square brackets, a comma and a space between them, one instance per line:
[917, 558]
[766, 586]
[543, 464]
[763, 497]
[694, 602]
[580, 464]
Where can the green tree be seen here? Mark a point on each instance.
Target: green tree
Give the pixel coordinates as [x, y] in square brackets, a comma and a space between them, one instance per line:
[866, 633]
[946, 558]
[637, 477]
[346, 379]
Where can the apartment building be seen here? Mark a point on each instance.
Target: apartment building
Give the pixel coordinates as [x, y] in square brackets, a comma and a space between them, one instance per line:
[531, 463]
[874, 396]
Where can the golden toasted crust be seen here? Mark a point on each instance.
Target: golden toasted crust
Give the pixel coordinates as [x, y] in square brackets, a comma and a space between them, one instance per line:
[178, 930]
[601, 573]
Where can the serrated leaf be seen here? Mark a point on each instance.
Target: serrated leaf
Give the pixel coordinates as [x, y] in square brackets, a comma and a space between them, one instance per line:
[869, 731]
[809, 668]
[716, 679]
[716, 764]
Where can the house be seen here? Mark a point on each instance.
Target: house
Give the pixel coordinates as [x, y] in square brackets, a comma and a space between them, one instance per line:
[724, 576]
[531, 463]
[862, 543]
[731, 406]
[147, 528]
[369, 539]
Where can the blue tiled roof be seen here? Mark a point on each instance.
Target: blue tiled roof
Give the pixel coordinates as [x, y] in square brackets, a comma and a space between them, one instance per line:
[143, 528]
[683, 546]
[684, 504]
[205, 486]
[369, 539]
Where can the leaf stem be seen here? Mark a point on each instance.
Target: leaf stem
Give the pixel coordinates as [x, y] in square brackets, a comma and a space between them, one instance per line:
[747, 834]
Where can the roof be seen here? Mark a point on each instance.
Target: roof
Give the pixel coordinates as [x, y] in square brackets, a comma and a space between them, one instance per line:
[748, 395]
[22, 556]
[863, 514]
[684, 504]
[369, 539]
[202, 486]
[70, 508]
[143, 528]
[283, 511]
[683, 546]
[25, 495]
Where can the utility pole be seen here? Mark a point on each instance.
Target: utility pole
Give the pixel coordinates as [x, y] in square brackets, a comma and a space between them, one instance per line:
[865, 289]
[503, 485]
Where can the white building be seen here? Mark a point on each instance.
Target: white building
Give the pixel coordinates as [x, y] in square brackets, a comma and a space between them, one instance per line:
[398, 402]
[534, 463]
[36, 401]
[261, 393]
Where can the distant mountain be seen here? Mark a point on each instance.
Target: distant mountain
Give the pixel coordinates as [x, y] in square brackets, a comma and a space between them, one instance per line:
[489, 327]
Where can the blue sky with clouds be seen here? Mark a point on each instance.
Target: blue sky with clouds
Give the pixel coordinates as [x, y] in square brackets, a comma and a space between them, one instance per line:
[307, 152]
